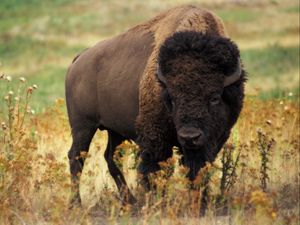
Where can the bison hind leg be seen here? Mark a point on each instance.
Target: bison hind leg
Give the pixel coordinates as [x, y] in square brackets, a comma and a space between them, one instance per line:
[114, 139]
[82, 137]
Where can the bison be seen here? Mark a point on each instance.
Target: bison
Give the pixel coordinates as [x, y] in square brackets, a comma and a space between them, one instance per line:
[175, 80]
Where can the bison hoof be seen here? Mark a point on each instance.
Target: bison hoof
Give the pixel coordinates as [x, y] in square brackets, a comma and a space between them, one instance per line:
[129, 200]
[132, 200]
[202, 211]
[75, 203]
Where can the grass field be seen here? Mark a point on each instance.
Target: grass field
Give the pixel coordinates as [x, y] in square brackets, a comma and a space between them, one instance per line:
[38, 40]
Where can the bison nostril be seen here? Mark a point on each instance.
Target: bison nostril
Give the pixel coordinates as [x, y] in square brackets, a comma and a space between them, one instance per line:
[191, 135]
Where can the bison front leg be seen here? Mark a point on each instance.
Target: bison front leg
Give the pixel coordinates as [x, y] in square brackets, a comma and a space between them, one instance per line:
[155, 131]
[151, 153]
[147, 165]
[114, 140]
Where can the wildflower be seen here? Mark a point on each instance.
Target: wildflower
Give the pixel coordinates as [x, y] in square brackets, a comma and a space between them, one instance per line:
[50, 156]
[83, 154]
[34, 86]
[22, 79]
[90, 173]
[290, 94]
[17, 98]
[10, 93]
[286, 108]
[258, 198]
[3, 125]
[30, 89]
[8, 78]
[28, 110]
[126, 142]
[32, 112]
[269, 122]
[273, 215]
[59, 101]
[281, 102]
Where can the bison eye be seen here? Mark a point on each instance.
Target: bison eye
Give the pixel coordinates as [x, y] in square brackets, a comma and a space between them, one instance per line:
[215, 100]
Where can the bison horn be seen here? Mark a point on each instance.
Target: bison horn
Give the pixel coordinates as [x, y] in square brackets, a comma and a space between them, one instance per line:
[160, 77]
[235, 76]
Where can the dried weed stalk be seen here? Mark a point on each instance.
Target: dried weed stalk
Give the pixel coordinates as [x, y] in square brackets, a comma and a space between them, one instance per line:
[265, 145]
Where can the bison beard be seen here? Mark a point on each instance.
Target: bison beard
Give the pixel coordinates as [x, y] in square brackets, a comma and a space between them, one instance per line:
[175, 80]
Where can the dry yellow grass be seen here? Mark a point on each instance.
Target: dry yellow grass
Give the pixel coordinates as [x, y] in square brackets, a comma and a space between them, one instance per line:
[35, 184]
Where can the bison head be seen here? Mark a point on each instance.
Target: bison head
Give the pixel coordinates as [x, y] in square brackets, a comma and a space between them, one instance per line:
[202, 89]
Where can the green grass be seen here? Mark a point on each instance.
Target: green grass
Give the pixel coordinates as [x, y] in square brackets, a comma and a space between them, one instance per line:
[274, 60]
[293, 9]
[38, 39]
[21, 13]
[50, 82]
[50, 88]
[25, 50]
[279, 93]
[238, 14]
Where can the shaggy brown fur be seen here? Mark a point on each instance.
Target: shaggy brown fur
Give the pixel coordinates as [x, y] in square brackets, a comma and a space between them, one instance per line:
[114, 86]
[194, 66]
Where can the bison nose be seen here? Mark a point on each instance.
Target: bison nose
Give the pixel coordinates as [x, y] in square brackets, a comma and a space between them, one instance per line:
[190, 136]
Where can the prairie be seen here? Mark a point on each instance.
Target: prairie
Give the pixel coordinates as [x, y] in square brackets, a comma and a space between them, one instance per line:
[254, 180]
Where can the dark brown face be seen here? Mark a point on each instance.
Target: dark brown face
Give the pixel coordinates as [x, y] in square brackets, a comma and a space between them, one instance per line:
[194, 100]
[194, 69]
[202, 84]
